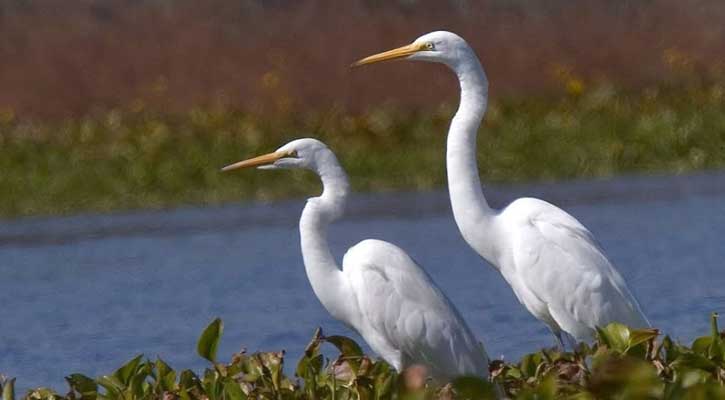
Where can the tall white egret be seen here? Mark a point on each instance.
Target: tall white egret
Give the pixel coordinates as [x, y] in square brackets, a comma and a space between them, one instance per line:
[552, 262]
[380, 292]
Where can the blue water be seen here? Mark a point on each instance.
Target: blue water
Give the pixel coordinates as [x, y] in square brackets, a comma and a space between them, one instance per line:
[85, 293]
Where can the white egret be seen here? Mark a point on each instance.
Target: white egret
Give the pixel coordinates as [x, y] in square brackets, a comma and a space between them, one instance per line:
[552, 262]
[380, 292]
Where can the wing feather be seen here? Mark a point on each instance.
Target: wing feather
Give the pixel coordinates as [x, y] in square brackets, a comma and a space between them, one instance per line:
[559, 260]
[402, 309]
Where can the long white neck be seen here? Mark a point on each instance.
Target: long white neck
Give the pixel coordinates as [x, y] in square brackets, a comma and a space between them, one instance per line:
[326, 278]
[472, 213]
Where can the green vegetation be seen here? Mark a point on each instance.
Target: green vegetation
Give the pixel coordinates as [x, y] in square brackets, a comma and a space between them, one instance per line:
[134, 158]
[622, 364]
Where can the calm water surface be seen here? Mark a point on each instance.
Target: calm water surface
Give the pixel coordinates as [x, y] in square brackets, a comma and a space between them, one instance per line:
[83, 294]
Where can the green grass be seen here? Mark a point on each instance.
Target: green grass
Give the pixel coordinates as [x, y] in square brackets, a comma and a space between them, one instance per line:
[125, 159]
[622, 363]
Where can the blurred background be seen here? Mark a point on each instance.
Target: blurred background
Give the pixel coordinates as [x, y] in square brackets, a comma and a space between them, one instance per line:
[119, 235]
[136, 103]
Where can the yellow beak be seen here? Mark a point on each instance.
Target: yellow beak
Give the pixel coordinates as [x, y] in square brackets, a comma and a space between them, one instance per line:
[257, 161]
[400, 52]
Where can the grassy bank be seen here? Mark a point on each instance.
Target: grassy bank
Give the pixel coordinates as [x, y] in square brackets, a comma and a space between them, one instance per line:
[621, 364]
[132, 158]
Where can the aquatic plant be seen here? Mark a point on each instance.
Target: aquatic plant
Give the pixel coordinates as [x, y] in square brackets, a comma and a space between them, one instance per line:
[623, 363]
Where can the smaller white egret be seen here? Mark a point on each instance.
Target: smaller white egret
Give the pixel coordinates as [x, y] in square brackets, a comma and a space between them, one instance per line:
[380, 292]
[551, 261]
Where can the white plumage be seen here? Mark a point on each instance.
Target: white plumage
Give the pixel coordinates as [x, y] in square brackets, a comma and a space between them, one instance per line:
[380, 292]
[561, 274]
[552, 262]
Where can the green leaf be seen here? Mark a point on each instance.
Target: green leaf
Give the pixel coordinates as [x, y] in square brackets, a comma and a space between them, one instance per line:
[112, 385]
[384, 381]
[166, 375]
[694, 361]
[530, 364]
[233, 391]
[638, 336]
[347, 346]
[211, 384]
[209, 340]
[85, 386]
[313, 348]
[138, 384]
[42, 394]
[471, 387]
[187, 382]
[128, 370]
[9, 389]
[701, 345]
[615, 336]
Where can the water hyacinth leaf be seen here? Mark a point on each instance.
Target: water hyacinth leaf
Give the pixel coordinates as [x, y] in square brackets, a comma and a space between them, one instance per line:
[209, 341]
[85, 386]
[128, 370]
[615, 336]
[384, 381]
[233, 391]
[188, 381]
[42, 393]
[9, 389]
[693, 361]
[310, 366]
[471, 387]
[272, 367]
[693, 377]
[363, 388]
[111, 385]
[166, 376]
[350, 350]
[625, 377]
[530, 364]
[671, 350]
[514, 373]
[313, 348]
[702, 344]
[639, 336]
[212, 385]
[347, 346]
[545, 390]
[138, 384]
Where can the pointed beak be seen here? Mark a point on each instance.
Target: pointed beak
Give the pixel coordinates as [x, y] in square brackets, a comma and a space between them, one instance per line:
[265, 159]
[400, 52]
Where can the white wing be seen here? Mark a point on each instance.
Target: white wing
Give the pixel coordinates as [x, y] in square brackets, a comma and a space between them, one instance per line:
[560, 263]
[404, 317]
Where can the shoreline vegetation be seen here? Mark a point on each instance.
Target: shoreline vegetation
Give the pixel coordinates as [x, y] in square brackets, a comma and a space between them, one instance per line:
[131, 158]
[622, 363]
[119, 105]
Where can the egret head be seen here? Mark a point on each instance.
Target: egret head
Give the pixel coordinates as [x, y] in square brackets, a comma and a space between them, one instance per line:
[440, 46]
[301, 153]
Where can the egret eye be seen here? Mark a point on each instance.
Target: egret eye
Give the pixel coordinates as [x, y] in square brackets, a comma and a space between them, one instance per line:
[430, 46]
[292, 154]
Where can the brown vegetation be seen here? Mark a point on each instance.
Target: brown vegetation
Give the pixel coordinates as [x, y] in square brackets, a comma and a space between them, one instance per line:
[60, 58]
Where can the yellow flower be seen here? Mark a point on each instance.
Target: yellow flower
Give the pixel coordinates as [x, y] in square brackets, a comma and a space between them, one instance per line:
[270, 80]
[574, 86]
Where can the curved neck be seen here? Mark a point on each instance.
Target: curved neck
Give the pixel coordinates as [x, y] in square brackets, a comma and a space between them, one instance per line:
[472, 213]
[320, 265]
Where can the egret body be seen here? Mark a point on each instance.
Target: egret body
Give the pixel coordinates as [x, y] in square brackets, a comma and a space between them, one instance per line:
[551, 261]
[380, 292]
